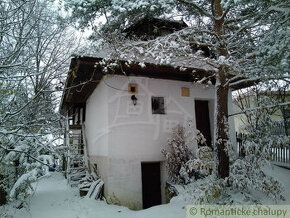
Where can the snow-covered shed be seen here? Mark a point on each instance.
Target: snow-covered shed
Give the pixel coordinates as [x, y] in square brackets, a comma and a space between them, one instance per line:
[126, 109]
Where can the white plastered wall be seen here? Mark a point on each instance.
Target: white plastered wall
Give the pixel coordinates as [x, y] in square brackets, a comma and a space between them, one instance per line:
[124, 135]
[97, 131]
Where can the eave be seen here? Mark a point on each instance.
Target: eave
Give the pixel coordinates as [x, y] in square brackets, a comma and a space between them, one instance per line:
[85, 74]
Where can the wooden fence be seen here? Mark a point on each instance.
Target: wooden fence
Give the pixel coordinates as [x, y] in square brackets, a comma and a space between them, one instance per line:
[281, 155]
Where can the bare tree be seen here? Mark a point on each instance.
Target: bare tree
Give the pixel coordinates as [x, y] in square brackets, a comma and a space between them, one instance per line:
[36, 44]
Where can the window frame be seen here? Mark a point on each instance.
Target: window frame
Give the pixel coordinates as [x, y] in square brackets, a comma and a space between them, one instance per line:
[160, 101]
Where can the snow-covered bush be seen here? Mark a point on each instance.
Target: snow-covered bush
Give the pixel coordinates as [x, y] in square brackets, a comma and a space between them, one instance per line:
[207, 190]
[177, 155]
[21, 166]
[203, 164]
[184, 158]
[246, 178]
[248, 183]
[22, 188]
[247, 174]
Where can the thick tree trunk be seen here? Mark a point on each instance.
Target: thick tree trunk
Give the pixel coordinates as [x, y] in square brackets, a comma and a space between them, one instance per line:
[222, 94]
[222, 128]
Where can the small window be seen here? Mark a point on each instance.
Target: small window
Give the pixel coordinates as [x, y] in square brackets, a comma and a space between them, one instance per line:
[158, 105]
[132, 88]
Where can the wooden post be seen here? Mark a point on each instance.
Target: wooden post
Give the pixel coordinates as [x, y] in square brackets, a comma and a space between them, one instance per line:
[289, 154]
[284, 158]
[65, 165]
[3, 193]
[286, 155]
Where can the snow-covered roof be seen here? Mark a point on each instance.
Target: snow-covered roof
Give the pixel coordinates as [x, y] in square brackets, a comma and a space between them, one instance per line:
[168, 57]
[86, 72]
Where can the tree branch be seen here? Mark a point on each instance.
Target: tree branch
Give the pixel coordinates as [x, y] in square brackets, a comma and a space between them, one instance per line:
[199, 9]
[260, 108]
[26, 153]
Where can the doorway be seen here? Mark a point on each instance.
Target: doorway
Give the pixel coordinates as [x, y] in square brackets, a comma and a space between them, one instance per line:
[151, 185]
[202, 120]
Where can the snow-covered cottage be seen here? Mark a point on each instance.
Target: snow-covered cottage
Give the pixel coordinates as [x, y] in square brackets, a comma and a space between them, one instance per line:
[126, 115]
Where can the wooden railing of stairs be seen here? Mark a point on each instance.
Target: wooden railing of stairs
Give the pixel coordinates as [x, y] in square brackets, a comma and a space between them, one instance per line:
[77, 161]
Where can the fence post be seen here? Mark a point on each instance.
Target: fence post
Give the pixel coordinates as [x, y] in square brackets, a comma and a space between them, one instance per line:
[284, 158]
[3, 193]
[289, 153]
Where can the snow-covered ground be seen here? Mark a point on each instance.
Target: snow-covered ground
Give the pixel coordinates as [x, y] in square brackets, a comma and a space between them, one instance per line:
[283, 175]
[53, 198]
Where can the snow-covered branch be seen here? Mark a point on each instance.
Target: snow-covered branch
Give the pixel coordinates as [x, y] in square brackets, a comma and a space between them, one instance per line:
[261, 108]
[240, 79]
[27, 154]
[201, 10]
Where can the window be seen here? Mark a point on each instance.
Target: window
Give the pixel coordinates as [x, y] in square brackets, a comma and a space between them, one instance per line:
[132, 88]
[158, 105]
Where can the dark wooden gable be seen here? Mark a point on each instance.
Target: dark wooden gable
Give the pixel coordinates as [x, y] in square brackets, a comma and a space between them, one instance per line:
[151, 28]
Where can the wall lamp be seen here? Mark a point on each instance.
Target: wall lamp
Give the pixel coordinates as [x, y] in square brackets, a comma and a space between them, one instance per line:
[134, 99]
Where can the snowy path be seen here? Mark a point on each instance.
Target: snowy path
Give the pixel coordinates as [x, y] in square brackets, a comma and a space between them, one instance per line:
[54, 199]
